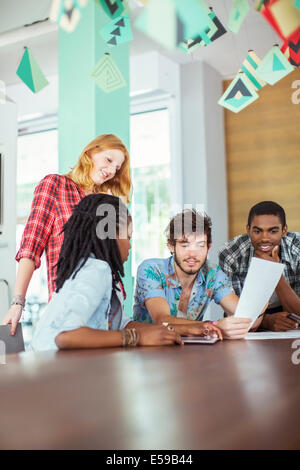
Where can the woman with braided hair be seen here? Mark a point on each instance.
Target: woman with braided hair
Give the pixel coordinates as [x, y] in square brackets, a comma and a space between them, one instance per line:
[102, 167]
[86, 309]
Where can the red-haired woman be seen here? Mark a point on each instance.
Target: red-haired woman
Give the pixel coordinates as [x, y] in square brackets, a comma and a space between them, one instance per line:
[103, 167]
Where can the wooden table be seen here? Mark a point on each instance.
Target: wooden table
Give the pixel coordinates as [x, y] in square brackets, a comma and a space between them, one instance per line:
[231, 395]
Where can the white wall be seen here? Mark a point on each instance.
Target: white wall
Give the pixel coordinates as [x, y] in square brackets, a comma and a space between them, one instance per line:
[34, 104]
[8, 141]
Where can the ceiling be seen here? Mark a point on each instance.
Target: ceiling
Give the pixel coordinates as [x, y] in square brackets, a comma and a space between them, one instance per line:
[225, 54]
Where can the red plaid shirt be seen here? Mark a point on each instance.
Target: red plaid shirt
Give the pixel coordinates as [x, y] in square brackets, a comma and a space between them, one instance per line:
[52, 205]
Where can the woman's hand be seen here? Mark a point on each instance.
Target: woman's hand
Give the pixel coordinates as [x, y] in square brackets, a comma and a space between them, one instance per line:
[158, 336]
[206, 329]
[12, 317]
[233, 327]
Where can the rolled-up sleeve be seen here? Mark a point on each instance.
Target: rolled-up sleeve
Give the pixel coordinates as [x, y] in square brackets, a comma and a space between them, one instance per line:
[222, 286]
[40, 221]
[73, 306]
[149, 282]
[83, 296]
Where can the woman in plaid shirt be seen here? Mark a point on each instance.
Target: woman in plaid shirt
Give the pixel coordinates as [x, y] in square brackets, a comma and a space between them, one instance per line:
[103, 167]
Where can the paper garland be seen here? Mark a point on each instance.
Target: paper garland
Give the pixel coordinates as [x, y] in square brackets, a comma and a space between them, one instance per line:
[284, 18]
[191, 44]
[291, 50]
[30, 73]
[117, 31]
[67, 13]
[249, 67]
[238, 95]
[238, 13]
[107, 75]
[171, 22]
[274, 66]
[113, 8]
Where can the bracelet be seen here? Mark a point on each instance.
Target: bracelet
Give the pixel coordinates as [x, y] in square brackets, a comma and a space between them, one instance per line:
[18, 300]
[130, 337]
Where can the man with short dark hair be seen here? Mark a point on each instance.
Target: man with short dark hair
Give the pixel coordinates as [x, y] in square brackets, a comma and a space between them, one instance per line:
[178, 289]
[267, 238]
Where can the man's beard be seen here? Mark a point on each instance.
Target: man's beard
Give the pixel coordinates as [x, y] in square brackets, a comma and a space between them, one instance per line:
[191, 271]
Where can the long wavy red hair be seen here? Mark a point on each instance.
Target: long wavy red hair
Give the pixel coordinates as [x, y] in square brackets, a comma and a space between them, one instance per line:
[119, 185]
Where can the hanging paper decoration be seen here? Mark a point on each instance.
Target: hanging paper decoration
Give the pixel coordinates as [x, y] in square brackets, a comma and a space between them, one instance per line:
[274, 66]
[67, 13]
[284, 17]
[259, 4]
[30, 73]
[117, 31]
[297, 4]
[191, 44]
[291, 50]
[113, 8]
[193, 20]
[171, 22]
[238, 13]
[238, 95]
[107, 75]
[249, 68]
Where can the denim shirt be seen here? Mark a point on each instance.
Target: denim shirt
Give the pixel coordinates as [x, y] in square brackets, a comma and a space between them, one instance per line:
[83, 301]
[157, 278]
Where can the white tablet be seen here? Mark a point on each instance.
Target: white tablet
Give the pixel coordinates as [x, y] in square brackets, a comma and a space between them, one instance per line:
[198, 340]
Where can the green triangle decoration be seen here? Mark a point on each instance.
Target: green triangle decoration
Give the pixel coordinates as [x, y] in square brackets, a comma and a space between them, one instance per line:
[117, 31]
[239, 94]
[107, 75]
[274, 66]
[30, 73]
[277, 65]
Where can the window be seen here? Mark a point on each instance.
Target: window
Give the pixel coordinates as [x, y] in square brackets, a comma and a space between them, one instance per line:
[151, 174]
[37, 157]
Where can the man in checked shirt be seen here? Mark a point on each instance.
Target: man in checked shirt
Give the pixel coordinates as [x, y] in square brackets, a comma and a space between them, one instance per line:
[267, 238]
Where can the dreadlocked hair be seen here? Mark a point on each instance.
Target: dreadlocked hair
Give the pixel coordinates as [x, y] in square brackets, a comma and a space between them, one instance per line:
[92, 229]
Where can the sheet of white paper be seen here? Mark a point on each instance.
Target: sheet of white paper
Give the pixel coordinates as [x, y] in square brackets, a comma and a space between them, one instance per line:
[260, 283]
[274, 335]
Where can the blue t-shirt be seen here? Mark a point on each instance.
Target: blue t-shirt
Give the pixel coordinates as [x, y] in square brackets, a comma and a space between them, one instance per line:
[83, 301]
[157, 278]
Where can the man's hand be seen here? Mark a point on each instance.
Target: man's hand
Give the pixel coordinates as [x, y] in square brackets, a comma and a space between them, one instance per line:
[274, 256]
[278, 322]
[202, 329]
[233, 327]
